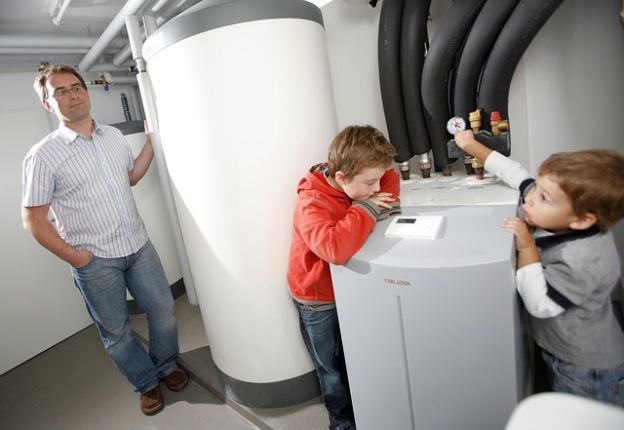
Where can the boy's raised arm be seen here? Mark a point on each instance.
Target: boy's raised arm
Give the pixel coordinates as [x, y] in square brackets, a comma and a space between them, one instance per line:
[466, 141]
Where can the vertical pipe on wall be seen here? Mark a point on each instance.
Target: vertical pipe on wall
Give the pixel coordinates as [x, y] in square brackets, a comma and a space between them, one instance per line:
[149, 107]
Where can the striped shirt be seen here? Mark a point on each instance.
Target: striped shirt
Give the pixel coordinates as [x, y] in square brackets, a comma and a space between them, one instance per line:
[86, 183]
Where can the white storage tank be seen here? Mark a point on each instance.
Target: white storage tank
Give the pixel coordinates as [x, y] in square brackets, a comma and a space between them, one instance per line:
[245, 107]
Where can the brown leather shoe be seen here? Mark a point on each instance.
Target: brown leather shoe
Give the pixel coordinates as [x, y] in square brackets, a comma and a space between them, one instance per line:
[177, 379]
[151, 401]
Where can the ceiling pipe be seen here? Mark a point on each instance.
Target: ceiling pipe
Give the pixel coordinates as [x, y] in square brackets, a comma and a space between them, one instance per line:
[34, 51]
[57, 16]
[115, 26]
[30, 62]
[50, 42]
[119, 79]
[175, 9]
[158, 5]
[123, 55]
[91, 49]
[110, 67]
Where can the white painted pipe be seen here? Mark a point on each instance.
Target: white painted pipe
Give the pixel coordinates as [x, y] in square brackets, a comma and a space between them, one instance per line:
[115, 26]
[123, 55]
[56, 19]
[26, 51]
[110, 67]
[149, 107]
[50, 42]
[135, 39]
[149, 24]
[159, 5]
[120, 79]
[30, 62]
[176, 8]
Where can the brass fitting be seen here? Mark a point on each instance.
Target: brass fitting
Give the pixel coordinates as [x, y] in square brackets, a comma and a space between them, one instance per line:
[495, 118]
[475, 120]
[478, 168]
[503, 125]
[497, 124]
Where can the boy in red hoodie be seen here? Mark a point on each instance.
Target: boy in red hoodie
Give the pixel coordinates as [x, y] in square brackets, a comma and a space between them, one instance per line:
[337, 206]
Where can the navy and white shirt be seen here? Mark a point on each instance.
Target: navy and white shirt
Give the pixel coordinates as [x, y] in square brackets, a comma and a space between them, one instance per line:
[581, 269]
[86, 183]
[568, 293]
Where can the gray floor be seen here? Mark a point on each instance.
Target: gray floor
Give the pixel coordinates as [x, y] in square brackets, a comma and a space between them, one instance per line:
[74, 386]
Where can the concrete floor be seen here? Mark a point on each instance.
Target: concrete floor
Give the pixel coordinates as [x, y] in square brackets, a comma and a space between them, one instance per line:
[74, 386]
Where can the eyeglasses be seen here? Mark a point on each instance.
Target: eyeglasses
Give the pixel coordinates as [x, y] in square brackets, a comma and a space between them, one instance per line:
[76, 89]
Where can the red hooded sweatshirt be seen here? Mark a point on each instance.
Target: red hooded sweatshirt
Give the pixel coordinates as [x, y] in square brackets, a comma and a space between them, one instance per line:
[327, 229]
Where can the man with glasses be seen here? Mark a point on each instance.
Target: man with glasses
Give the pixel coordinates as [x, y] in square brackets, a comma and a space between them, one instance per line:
[83, 172]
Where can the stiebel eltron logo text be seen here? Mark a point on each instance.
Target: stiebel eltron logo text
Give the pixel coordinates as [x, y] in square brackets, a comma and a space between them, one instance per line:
[396, 281]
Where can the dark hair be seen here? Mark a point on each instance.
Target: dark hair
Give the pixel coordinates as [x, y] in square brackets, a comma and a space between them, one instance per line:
[357, 147]
[593, 180]
[44, 74]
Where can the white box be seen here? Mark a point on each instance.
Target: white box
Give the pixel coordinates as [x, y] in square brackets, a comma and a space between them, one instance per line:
[416, 227]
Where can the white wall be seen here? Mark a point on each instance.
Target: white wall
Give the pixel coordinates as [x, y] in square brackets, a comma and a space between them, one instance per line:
[567, 92]
[351, 33]
[573, 81]
[40, 305]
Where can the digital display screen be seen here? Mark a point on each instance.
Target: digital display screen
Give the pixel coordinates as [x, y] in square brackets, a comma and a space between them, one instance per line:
[406, 220]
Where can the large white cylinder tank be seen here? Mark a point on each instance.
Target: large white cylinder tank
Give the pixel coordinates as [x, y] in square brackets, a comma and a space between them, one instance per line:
[245, 107]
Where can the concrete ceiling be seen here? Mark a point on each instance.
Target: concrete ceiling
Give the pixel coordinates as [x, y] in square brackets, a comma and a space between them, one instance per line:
[87, 18]
[28, 35]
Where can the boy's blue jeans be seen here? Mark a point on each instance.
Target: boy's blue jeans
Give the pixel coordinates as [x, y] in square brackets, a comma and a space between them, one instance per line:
[605, 385]
[321, 335]
[103, 283]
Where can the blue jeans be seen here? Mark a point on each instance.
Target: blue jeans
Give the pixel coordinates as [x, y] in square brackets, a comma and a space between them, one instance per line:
[102, 283]
[606, 385]
[321, 335]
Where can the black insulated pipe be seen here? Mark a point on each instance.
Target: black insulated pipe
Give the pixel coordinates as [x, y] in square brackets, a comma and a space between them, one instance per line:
[414, 40]
[437, 69]
[478, 45]
[388, 51]
[523, 24]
